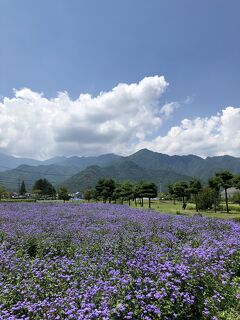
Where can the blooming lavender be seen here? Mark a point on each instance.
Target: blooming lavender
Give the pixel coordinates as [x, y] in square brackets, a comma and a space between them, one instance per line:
[100, 261]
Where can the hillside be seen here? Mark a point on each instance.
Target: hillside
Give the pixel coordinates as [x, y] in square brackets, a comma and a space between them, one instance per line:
[80, 172]
[120, 171]
[12, 179]
[55, 172]
[84, 162]
[190, 164]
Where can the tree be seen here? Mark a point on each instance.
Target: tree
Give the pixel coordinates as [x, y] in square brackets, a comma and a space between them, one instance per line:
[109, 189]
[138, 193]
[172, 192]
[236, 181]
[89, 194]
[105, 189]
[118, 193]
[22, 189]
[127, 191]
[99, 188]
[44, 188]
[194, 188]
[63, 194]
[226, 181]
[3, 192]
[214, 183]
[206, 198]
[148, 190]
[181, 190]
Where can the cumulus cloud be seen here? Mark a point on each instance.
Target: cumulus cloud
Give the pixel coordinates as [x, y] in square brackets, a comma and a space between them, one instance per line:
[215, 135]
[122, 120]
[34, 126]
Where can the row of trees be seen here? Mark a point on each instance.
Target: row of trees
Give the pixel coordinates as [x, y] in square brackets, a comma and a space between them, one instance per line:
[205, 197]
[42, 188]
[109, 190]
[208, 196]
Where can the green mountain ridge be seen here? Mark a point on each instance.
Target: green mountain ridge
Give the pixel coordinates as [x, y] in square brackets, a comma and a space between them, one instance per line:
[84, 162]
[56, 174]
[191, 165]
[121, 171]
[82, 172]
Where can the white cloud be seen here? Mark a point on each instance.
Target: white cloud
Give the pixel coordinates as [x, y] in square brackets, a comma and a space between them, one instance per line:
[34, 126]
[121, 121]
[216, 135]
[169, 108]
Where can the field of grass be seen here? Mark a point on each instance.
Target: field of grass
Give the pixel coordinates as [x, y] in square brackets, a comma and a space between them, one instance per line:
[168, 207]
[112, 262]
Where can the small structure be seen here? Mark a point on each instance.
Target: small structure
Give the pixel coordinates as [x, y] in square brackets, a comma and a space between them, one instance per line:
[230, 192]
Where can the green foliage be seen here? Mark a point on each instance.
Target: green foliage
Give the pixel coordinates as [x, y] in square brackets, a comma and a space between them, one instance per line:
[105, 189]
[124, 191]
[63, 194]
[89, 194]
[84, 172]
[22, 189]
[235, 198]
[179, 189]
[145, 189]
[207, 199]
[3, 192]
[214, 183]
[44, 188]
[127, 190]
[236, 181]
[226, 181]
[123, 171]
[194, 188]
[55, 173]
[162, 195]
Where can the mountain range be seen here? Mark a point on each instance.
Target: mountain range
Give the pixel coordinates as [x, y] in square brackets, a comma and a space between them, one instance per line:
[79, 173]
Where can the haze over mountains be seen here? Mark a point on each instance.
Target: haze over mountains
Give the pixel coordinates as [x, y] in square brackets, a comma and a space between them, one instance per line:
[79, 173]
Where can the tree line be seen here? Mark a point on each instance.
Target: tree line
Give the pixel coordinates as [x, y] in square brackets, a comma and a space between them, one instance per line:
[204, 196]
[208, 196]
[107, 190]
[42, 188]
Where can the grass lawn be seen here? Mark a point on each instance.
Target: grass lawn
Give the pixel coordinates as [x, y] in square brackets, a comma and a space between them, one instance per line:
[168, 207]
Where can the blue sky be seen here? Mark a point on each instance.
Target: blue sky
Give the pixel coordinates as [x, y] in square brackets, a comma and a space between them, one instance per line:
[92, 46]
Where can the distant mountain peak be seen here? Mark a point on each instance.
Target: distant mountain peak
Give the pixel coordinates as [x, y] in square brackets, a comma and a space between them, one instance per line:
[144, 150]
[85, 171]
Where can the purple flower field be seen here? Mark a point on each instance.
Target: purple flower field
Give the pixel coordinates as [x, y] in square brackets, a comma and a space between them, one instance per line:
[100, 261]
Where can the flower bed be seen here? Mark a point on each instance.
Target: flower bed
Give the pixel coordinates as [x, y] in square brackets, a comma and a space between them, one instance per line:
[95, 261]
